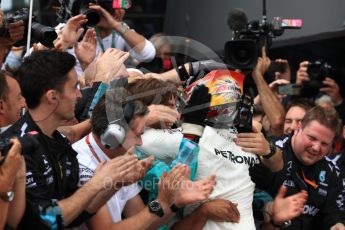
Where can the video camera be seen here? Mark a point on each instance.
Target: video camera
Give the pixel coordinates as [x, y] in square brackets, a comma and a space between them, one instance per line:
[39, 33]
[244, 49]
[28, 144]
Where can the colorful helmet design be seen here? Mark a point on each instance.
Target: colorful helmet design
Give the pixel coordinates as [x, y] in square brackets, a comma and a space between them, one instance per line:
[226, 88]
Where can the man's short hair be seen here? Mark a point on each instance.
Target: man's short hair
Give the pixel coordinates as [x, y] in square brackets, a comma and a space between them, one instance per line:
[152, 91]
[4, 88]
[43, 71]
[109, 110]
[326, 117]
[3, 85]
[304, 103]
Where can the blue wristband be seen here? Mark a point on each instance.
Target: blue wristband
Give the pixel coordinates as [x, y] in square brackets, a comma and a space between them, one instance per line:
[52, 216]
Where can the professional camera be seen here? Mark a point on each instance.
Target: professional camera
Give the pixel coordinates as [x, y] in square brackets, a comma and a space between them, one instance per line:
[242, 52]
[317, 72]
[72, 8]
[39, 33]
[244, 49]
[28, 144]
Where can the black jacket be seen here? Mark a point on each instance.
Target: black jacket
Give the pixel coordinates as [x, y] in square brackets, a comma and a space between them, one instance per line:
[338, 164]
[52, 173]
[321, 182]
[323, 187]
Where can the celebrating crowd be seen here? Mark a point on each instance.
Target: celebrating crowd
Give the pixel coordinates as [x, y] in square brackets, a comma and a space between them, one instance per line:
[89, 142]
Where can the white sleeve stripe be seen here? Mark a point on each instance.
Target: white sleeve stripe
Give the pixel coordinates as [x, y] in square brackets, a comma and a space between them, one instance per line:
[23, 128]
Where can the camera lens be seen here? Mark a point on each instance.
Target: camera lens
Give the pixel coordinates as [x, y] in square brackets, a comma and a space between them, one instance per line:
[44, 34]
[314, 71]
[92, 16]
[241, 54]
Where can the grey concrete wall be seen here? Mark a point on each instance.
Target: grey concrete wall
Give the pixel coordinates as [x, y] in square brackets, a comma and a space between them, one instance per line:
[205, 21]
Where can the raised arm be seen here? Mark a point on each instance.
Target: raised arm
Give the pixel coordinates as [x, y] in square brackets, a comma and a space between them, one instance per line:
[76, 132]
[270, 102]
[113, 170]
[133, 39]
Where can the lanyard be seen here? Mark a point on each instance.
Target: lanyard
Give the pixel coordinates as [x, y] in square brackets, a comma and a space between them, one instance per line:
[99, 39]
[87, 139]
[310, 182]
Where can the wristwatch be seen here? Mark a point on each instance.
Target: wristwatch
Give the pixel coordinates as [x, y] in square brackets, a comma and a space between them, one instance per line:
[8, 196]
[124, 28]
[273, 149]
[156, 208]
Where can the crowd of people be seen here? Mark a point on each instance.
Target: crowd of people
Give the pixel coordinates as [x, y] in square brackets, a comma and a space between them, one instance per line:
[87, 142]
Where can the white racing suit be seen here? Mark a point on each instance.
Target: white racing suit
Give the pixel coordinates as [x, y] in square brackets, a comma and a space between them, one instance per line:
[220, 156]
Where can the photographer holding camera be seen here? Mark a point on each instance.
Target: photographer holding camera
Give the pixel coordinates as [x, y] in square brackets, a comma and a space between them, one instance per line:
[12, 186]
[15, 33]
[328, 86]
[113, 32]
[312, 77]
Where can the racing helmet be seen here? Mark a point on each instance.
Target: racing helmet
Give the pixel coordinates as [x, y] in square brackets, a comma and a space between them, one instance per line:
[226, 89]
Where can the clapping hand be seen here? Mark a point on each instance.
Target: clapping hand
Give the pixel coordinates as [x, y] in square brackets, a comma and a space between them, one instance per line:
[138, 171]
[194, 191]
[161, 114]
[109, 64]
[287, 208]
[71, 32]
[86, 49]
[169, 184]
